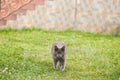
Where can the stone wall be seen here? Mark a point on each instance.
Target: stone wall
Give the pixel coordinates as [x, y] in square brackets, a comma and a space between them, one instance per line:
[102, 16]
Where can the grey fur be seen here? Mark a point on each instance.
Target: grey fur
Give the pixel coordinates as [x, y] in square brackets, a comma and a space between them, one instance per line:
[59, 55]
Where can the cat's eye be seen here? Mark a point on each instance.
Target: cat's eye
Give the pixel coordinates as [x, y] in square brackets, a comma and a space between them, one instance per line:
[63, 48]
[56, 49]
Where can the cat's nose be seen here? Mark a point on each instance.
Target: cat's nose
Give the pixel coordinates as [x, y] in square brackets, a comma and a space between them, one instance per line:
[59, 52]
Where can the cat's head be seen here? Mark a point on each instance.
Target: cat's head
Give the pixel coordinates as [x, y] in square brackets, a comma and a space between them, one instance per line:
[60, 51]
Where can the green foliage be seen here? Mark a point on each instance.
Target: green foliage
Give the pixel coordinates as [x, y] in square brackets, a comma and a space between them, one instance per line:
[25, 55]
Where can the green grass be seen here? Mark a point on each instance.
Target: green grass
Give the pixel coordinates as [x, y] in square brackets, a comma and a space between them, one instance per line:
[25, 55]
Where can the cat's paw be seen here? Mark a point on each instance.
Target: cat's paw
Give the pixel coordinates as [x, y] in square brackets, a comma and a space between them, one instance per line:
[62, 68]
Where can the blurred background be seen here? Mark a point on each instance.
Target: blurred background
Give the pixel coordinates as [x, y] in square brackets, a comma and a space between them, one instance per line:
[101, 16]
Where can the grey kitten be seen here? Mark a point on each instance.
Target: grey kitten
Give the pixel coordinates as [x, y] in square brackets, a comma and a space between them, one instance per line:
[59, 55]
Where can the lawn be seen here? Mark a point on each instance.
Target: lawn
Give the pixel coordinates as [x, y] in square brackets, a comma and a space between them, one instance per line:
[26, 55]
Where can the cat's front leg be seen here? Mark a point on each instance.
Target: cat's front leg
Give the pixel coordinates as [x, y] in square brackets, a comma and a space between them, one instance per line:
[55, 63]
[62, 65]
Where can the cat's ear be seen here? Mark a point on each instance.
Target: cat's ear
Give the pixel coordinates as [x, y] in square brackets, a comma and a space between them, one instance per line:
[56, 48]
[63, 48]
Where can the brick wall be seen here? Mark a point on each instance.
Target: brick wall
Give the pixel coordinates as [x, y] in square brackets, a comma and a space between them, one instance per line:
[102, 16]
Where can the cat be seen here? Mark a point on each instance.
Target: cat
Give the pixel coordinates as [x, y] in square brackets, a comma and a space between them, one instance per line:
[59, 55]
